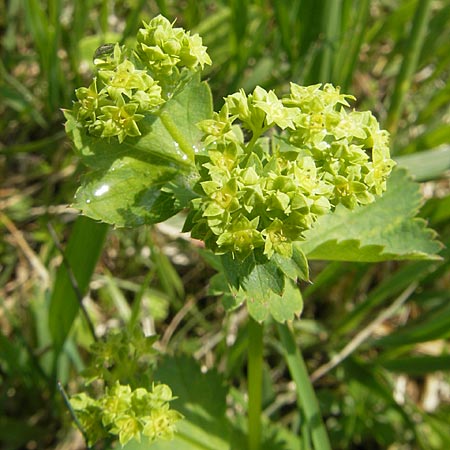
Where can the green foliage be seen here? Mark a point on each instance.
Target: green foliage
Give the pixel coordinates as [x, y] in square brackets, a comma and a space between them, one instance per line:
[385, 229]
[376, 50]
[253, 196]
[202, 399]
[268, 287]
[145, 179]
[66, 296]
[266, 170]
[125, 410]
[128, 85]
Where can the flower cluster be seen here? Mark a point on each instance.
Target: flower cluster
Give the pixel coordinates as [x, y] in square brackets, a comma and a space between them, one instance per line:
[124, 356]
[123, 363]
[265, 192]
[127, 413]
[165, 49]
[131, 83]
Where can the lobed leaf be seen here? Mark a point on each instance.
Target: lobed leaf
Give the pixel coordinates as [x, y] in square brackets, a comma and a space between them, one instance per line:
[266, 286]
[383, 230]
[201, 398]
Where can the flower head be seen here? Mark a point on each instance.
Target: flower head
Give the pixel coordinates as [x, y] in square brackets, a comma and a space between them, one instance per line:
[129, 84]
[165, 49]
[264, 192]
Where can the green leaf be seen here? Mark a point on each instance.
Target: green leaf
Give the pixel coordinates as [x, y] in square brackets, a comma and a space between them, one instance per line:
[287, 306]
[383, 230]
[306, 397]
[426, 165]
[266, 286]
[295, 267]
[201, 398]
[418, 365]
[139, 180]
[82, 252]
[256, 281]
[129, 193]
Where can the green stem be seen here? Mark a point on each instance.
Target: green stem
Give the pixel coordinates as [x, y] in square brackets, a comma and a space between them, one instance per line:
[73, 414]
[249, 147]
[306, 397]
[176, 135]
[252, 142]
[255, 366]
[409, 63]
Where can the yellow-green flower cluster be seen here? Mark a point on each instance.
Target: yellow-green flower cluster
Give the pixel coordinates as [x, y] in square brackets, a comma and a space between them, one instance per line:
[124, 357]
[266, 192]
[118, 96]
[127, 413]
[131, 83]
[348, 147]
[123, 363]
[165, 49]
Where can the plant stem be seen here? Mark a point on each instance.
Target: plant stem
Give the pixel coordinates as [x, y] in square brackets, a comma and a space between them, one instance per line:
[73, 414]
[306, 397]
[255, 136]
[254, 380]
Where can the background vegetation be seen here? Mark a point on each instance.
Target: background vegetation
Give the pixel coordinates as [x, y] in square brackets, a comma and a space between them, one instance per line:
[384, 327]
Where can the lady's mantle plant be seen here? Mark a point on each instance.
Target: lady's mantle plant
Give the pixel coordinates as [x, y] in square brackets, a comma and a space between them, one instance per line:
[259, 177]
[256, 175]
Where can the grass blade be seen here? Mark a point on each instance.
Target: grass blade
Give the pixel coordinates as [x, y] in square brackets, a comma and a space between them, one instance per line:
[330, 29]
[427, 165]
[255, 373]
[350, 46]
[409, 64]
[417, 365]
[82, 252]
[306, 397]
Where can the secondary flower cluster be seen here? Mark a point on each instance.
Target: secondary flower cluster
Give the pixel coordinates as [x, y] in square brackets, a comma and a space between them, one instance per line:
[123, 363]
[165, 49]
[127, 413]
[266, 192]
[126, 356]
[130, 83]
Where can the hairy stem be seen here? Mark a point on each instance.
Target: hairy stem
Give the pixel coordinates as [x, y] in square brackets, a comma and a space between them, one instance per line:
[254, 380]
